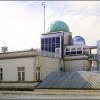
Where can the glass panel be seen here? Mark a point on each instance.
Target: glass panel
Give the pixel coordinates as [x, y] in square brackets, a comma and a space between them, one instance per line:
[42, 47]
[79, 49]
[67, 53]
[53, 45]
[53, 40]
[22, 68]
[58, 46]
[23, 76]
[79, 52]
[57, 39]
[49, 48]
[46, 40]
[73, 49]
[73, 53]
[67, 49]
[46, 48]
[49, 41]
[53, 49]
[42, 41]
[19, 76]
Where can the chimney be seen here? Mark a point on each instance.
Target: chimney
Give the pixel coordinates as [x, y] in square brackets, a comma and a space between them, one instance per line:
[4, 49]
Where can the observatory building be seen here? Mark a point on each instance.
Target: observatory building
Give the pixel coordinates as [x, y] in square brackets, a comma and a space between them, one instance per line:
[63, 61]
[72, 52]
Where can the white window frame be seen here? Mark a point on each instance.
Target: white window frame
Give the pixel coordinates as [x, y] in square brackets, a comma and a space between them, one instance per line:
[21, 73]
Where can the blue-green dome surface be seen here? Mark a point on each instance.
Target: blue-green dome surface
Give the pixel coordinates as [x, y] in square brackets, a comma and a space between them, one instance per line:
[58, 26]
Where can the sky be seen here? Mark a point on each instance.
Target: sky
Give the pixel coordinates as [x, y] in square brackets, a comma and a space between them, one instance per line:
[21, 22]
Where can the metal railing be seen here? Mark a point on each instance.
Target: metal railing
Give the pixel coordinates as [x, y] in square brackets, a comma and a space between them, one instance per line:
[46, 53]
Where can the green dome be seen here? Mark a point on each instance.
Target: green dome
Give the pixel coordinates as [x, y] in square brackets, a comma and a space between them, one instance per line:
[58, 26]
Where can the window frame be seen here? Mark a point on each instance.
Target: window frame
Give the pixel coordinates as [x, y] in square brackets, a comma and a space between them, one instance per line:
[21, 73]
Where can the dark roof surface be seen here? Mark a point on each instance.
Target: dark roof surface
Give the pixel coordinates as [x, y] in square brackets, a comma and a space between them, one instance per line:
[72, 80]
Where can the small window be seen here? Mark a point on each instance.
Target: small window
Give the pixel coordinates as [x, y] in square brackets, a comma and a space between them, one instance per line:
[67, 53]
[67, 49]
[1, 74]
[79, 49]
[21, 73]
[73, 49]
[79, 52]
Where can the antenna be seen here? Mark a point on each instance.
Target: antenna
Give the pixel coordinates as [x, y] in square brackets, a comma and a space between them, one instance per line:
[44, 4]
[4, 43]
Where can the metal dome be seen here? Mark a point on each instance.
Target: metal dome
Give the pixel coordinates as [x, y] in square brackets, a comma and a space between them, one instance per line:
[78, 40]
[58, 26]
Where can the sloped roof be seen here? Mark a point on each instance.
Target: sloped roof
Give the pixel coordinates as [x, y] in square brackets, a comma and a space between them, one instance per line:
[72, 80]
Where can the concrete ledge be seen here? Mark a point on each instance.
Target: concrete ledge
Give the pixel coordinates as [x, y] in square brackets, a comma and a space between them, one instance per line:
[18, 86]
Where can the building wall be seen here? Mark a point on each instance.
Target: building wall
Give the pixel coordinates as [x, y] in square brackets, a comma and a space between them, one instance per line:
[10, 68]
[77, 65]
[48, 65]
[66, 38]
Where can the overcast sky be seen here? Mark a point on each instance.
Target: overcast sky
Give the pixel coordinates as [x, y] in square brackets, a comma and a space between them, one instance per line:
[21, 22]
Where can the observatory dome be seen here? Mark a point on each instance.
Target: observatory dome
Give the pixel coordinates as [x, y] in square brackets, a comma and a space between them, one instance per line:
[58, 26]
[78, 40]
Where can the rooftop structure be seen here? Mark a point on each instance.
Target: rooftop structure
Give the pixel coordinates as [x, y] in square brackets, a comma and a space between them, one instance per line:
[58, 26]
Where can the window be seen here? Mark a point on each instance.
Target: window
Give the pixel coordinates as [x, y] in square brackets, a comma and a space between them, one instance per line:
[49, 41]
[73, 49]
[42, 41]
[67, 49]
[1, 74]
[53, 40]
[79, 49]
[21, 73]
[37, 73]
[57, 39]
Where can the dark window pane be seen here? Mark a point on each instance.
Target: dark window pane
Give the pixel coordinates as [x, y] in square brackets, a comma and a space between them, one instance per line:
[53, 45]
[58, 46]
[79, 52]
[46, 40]
[49, 41]
[57, 39]
[42, 47]
[42, 41]
[19, 75]
[67, 53]
[46, 48]
[49, 48]
[53, 49]
[53, 40]
[23, 76]
[73, 53]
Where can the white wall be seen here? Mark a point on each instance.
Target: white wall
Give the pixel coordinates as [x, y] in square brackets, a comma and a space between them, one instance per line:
[10, 71]
[77, 65]
[48, 65]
